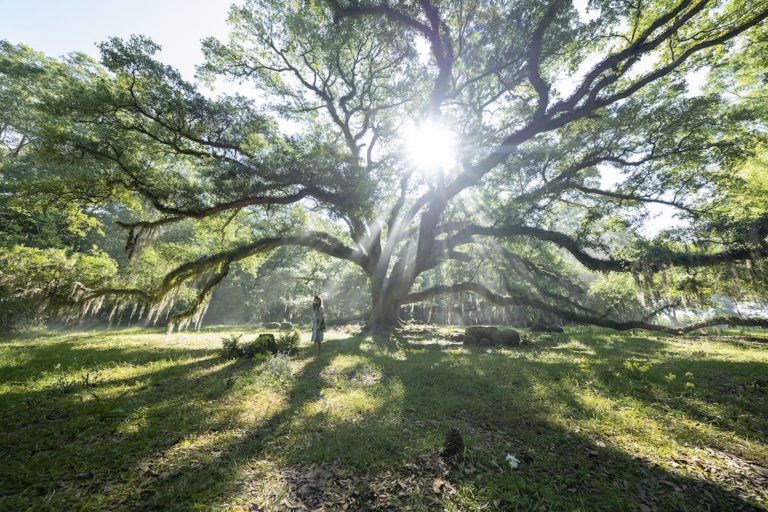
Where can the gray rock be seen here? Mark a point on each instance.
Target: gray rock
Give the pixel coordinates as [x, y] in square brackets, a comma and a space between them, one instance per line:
[484, 342]
[491, 337]
[481, 332]
[507, 338]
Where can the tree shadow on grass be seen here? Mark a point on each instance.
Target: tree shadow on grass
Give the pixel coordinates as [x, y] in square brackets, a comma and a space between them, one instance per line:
[730, 410]
[73, 439]
[728, 396]
[525, 406]
[183, 439]
[38, 360]
[187, 444]
[564, 469]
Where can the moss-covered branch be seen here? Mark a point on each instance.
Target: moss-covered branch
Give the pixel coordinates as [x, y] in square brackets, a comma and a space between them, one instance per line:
[526, 300]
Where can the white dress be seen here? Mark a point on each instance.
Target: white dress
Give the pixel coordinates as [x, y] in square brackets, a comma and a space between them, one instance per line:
[318, 315]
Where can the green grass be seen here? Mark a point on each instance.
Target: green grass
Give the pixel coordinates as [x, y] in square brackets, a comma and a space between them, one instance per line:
[137, 420]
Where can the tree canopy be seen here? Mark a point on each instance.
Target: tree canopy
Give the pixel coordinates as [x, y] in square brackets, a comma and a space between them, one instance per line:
[541, 100]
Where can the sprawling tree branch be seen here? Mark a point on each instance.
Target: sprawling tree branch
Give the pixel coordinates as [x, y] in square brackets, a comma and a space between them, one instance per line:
[633, 197]
[525, 300]
[659, 262]
[436, 32]
[319, 241]
[566, 112]
[216, 267]
[534, 61]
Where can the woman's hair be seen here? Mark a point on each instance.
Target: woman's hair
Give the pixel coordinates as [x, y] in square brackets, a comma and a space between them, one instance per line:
[317, 302]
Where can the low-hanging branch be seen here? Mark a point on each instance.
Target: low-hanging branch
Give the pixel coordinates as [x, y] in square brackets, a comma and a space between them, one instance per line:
[196, 311]
[317, 240]
[535, 277]
[139, 231]
[217, 267]
[525, 300]
[199, 213]
[536, 273]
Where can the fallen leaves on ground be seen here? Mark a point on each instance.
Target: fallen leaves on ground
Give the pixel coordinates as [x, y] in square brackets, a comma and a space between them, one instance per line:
[328, 487]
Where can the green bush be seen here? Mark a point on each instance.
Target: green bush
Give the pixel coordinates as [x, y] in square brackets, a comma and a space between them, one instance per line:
[230, 346]
[38, 284]
[248, 349]
[252, 348]
[263, 344]
[288, 342]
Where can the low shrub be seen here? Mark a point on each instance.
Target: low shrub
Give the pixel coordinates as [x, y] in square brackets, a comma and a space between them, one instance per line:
[637, 366]
[288, 342]
[230, 346]
[251, 349]
[263, 344]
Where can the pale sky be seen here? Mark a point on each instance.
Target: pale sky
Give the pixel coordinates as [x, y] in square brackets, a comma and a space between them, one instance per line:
[57, 27]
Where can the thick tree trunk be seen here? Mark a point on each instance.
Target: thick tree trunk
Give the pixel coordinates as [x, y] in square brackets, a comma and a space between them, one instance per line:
[385, 314]
[385, 307]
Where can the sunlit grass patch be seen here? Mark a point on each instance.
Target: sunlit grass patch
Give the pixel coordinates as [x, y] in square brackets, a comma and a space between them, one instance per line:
[351, 370]
[257, 407]
[343, 404]
[594, 419]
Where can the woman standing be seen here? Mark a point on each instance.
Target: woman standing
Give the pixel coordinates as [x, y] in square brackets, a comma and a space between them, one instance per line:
[318, 322]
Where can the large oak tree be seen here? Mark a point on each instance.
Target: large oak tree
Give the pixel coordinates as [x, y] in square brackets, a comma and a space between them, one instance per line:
[543, 100]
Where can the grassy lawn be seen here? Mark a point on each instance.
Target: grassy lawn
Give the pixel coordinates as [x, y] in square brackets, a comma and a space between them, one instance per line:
[137, 420]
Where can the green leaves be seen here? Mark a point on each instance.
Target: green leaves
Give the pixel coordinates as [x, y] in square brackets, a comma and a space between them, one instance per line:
[35, 279]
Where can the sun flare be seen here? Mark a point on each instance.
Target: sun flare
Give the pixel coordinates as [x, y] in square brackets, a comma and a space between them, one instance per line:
[431, 146]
